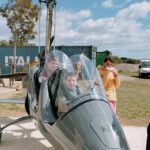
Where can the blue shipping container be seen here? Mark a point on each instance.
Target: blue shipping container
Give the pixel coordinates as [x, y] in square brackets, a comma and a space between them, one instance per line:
[28, 53]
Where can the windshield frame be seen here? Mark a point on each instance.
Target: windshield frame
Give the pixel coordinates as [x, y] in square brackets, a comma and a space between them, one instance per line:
[90, 92]
[145, 64]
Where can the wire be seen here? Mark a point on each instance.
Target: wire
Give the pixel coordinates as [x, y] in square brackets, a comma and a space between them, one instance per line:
[39, 28]
[54, 25]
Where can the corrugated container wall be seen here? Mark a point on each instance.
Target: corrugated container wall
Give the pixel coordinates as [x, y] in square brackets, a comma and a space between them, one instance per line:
[28, 53]
[100, 56]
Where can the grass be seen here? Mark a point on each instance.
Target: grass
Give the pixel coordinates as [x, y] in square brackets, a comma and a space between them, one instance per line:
[12, 109]
[133, 105]
[131, 74]
[18, 95]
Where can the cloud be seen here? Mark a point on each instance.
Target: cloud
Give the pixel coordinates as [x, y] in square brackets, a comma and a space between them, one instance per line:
[66, 22]
[114, 4]
[4, 30]
[108, 4]
[135, 11]
[124, 34]
[121, 34]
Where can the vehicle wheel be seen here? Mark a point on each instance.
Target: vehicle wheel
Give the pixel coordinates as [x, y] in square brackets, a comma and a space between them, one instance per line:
[27, 105]
[0, 135]
[140, 75]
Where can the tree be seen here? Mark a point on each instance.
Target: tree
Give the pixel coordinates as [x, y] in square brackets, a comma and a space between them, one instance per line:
[4, 43]
[21, 16]
[130, 60]
[117, 59]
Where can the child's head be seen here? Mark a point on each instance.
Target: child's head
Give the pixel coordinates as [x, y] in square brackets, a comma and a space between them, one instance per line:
[108, 62]
[51, 65]
[71, 80]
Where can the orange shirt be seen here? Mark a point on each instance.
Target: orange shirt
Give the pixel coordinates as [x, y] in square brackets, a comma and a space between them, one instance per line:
[110, 83]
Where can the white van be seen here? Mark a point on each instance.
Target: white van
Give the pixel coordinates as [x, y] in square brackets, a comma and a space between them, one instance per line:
[144, 68]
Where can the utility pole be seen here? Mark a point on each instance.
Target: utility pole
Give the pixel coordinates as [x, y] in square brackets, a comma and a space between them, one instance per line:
[49, 21]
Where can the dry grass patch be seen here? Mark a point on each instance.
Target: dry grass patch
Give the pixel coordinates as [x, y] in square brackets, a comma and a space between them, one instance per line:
[133, 107]
[12, 109]
[134, 102]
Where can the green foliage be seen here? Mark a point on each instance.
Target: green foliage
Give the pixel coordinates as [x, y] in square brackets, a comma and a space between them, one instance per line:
[21, 16]
[117, 59]
[4, 43]
[130, 60]
[10, 43]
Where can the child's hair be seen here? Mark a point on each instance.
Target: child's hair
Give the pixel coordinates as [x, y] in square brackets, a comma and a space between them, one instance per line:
[70, 74]
[51, 57]
[108, 58]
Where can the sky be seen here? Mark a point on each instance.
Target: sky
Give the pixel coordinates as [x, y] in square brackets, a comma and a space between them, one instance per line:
[120, 26]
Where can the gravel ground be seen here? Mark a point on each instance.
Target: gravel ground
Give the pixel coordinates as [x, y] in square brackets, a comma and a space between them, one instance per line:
[23, 136]
[26, 136]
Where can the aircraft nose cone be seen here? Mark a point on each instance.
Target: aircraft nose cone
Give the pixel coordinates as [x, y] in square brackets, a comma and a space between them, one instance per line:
[98, 129]
[100, 135]
[108, 135]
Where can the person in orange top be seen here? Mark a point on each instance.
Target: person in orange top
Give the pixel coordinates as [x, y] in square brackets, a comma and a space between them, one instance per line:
[110, 80]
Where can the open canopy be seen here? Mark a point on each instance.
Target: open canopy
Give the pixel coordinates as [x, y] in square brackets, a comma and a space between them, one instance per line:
[74, 81]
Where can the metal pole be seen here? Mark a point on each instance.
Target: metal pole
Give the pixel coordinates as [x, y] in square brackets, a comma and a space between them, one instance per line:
[48, 25]
[39, 28]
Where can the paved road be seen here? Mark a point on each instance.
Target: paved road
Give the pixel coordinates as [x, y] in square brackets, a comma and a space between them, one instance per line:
[136, 137]
[127, 78]
[25, 136]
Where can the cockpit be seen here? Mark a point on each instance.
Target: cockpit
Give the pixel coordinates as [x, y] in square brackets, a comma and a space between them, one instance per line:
[70, 86]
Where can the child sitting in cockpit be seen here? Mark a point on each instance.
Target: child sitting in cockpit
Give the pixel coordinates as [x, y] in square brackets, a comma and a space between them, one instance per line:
[50, 66]
[68, 92]
[71, 84]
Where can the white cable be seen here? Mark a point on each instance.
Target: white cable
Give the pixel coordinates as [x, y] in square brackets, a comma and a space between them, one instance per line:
[39, 28]
[54, 25]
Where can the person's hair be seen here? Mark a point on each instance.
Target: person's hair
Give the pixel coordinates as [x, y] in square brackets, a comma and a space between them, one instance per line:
[70, 74]
[108, 58]
[51, 57]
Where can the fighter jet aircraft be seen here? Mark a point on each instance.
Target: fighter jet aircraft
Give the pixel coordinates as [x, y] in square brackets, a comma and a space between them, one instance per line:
[70, 106]
[72, 120]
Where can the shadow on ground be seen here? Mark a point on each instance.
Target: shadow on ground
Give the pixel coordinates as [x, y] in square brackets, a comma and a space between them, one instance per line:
[22, 136]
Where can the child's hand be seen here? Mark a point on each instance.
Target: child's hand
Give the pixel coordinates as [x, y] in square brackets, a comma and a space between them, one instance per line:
[96, 83]
[114, 71]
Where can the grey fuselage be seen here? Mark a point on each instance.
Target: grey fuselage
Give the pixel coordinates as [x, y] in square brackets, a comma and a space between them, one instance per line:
[89, 123]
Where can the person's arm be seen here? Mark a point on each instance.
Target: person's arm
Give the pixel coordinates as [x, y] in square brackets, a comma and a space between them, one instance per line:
[104, 76]
[116, 77]
[117, 81]
[105, 79]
